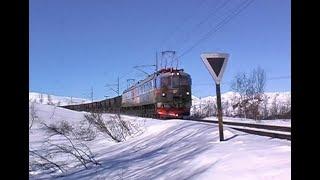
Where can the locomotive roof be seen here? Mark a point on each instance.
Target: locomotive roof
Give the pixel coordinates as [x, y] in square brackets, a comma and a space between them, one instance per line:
[165, 74]
[152, 76]
[161, 72]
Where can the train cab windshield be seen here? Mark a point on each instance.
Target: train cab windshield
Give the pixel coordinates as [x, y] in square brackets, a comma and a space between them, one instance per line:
[175, 81]
[165, 82]
[178, 81]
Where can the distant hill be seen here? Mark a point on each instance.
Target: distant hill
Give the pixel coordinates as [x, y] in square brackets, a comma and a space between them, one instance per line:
[273, 102]
[279, 97]
[43, 98]
[280, 101]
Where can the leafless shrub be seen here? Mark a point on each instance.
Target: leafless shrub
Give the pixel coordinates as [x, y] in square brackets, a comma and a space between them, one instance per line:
[54, 110]
[264, 107]
[280, 110]
[85, 132]
[225, 109]
[63, 128]
[197, 115]
[41, 98]
[116, 128]
[43, 163]
[49, 99]
[285, 109]
[274, 110]
[79, 151]
[72, 147]
[250, 88]
[32, 114]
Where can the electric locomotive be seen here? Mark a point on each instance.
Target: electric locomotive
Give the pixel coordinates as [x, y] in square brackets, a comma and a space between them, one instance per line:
[164, 94]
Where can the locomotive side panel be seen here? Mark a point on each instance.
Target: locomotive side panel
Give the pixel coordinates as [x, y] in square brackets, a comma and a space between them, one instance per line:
[143, 93]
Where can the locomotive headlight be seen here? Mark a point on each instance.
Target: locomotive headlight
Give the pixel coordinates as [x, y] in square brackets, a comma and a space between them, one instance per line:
[188, 93]
[163, 94]
[178, 74]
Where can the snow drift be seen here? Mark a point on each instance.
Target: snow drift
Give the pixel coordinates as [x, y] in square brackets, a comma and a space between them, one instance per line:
[172, 149]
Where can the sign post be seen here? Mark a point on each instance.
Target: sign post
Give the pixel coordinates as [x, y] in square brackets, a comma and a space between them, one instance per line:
[216, 64]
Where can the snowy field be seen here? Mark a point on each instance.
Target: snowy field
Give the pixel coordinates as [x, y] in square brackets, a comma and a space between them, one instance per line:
[171, 149]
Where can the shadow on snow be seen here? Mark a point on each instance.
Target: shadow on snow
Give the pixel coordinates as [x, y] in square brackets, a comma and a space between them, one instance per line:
[168, 154]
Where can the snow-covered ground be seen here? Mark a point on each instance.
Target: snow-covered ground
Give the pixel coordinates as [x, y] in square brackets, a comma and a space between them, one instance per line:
[172, 149]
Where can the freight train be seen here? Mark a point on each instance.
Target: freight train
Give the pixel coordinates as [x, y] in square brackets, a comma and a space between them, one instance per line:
[164, 94]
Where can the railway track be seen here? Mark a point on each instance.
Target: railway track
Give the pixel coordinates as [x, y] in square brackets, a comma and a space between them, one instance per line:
[281, 132]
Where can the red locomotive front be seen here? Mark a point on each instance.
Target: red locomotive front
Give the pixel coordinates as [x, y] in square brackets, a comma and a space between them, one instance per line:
[173, 94]
[164, 94]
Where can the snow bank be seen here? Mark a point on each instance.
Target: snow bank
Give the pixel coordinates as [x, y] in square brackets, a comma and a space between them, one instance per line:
[175, 149]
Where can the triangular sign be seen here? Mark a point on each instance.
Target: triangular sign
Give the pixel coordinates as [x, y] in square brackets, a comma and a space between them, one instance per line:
[216, 64]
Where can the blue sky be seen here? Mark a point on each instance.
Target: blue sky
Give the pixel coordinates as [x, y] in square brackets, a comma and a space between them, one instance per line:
[78, 44]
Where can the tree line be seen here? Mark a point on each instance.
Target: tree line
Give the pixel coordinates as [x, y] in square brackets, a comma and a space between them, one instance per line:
[250, 100]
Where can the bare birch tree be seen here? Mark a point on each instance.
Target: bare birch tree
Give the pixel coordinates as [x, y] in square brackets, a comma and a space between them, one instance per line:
[250, 87]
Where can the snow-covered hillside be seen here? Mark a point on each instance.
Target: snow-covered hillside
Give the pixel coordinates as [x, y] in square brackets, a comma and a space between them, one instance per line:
[279, 97]
[278, 100]
[172, 149]
[43, 98]
[271, 100]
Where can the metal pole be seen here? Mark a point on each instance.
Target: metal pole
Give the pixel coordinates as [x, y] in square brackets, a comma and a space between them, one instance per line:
[118, 96]
[118, 87]
[91, 94]
[219, 112]
[156, 61]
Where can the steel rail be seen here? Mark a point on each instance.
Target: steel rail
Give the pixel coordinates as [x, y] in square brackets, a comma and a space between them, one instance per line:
[280, 132]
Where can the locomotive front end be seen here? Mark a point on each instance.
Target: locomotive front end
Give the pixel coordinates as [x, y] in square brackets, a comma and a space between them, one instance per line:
[173, 94]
